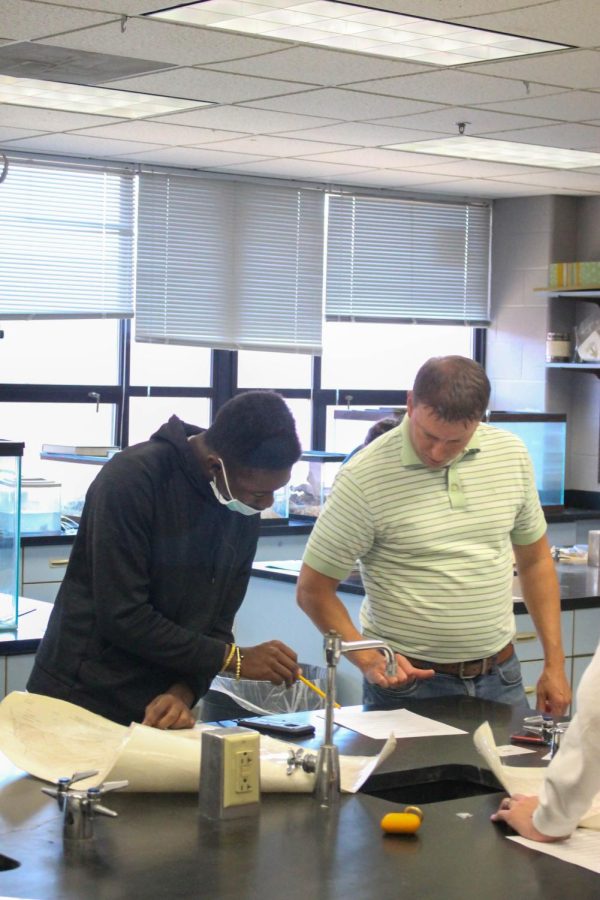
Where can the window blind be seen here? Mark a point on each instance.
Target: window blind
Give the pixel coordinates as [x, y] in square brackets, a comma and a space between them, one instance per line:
[402, 260]
[229, 264]
[66, 242]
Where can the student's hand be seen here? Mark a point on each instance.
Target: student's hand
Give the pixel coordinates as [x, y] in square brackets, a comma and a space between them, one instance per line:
[171, 709]
[271, 661]
[517, 811]
[372, 664]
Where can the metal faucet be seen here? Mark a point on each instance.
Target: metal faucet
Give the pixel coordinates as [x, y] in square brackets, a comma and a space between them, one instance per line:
[79, 808]
[327, 782]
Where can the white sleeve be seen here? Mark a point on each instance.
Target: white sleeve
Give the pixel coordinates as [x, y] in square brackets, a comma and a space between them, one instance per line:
[573, 776]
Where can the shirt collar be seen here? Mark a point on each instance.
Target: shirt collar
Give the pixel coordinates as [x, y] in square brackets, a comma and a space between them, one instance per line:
[409, 456]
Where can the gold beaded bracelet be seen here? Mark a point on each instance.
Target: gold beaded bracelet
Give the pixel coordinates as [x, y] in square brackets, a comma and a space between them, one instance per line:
[230, 656]
[238, 664]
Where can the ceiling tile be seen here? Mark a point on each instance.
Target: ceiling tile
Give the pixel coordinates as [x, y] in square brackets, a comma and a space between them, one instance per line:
[13, 134]
[361, 134]
[203, 84]
[478, 121]
[454, 86]
[49, 119]
[318, 66]
[471, 168]
[572, 136]
[179, 45]
[26, 59]
[339, 103]
[383, 159]
[76, 145]
[557, 179]
[271, 145]
[246, 119]
[159, 133]
[566, 68]
[567, 21]
[572, 106]
[25, 21]
[298, 168]
[192, 157]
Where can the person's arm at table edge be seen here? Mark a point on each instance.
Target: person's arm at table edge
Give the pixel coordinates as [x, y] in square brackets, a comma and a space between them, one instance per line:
[539, 584]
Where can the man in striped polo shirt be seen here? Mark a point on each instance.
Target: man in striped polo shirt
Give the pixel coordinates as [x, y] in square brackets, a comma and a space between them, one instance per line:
[433, 511]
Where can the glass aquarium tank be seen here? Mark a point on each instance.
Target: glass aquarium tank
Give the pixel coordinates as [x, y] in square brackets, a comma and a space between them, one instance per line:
[311, 482]
[11, 453]
[279, 511]
[545, 436]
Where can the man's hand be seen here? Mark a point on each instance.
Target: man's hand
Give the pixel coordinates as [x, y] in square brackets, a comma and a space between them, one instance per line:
[271, 661]
[171, 709]
[372, 664]
[517, 811]
[553, 691]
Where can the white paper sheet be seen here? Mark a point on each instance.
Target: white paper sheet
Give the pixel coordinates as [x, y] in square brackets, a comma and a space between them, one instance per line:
[519, 779]
[50, 739]
[581, 849]
[399, 722]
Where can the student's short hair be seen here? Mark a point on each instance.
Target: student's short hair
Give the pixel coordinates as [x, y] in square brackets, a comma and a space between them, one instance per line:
[255, 430]
[454, 387]
[380, 427]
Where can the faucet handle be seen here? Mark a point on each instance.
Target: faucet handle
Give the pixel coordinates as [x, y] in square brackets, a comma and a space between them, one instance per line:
[299, 759]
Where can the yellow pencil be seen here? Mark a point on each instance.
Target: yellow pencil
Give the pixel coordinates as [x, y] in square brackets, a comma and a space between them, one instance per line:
[316, 689]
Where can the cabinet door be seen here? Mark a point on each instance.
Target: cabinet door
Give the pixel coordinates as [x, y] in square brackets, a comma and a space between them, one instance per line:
[18, 668]
[586, 631]
[43, 590]
[46, 562]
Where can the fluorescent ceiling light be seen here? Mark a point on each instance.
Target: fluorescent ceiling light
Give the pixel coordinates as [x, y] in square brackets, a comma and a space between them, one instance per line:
[465, 147]
[89, 99]
[345, 26]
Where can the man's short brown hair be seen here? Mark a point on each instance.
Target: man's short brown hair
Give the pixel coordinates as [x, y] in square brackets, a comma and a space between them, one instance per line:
[454, 387]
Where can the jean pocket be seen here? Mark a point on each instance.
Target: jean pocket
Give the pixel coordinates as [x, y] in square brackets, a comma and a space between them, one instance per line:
[375, 695]
[510, 671]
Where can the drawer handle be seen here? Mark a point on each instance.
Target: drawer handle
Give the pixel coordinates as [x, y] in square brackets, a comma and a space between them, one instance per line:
[530, 689]
[525, 636]
[55, 563]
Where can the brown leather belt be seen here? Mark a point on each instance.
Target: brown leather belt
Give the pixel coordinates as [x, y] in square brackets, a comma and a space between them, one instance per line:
[471, 668]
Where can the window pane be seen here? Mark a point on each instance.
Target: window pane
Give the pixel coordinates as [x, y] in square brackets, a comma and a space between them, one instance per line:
[67, 352]
[344, 435]
[260, 369]
[165, 365]
[374, 356]
[302, 413]
[147, 414]
[58, 423]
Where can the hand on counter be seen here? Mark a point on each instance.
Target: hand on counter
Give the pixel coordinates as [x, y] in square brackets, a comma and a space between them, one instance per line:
[271, 661]
[372, 665]
[171, 709]
[517, 811]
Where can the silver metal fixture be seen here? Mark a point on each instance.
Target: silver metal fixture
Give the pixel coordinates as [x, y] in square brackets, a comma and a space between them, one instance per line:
[79, 808]
[550, 731]
[327, 782]
[299, 759]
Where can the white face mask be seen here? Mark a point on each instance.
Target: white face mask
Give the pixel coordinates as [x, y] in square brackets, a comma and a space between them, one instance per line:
[233, 504]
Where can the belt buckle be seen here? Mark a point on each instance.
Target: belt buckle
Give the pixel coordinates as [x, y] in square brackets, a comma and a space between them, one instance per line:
[482, 670]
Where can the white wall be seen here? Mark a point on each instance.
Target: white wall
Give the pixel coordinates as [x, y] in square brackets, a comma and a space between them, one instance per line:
[529, 234]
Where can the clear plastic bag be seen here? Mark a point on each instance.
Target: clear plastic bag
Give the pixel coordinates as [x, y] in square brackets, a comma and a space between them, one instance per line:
[262, 697]
[587, 339]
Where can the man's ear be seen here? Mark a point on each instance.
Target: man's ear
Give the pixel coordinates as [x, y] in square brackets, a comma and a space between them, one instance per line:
[409, 403]
[214, 464]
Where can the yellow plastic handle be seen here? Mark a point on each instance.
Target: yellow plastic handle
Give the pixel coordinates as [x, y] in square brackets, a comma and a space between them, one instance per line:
[407, 822]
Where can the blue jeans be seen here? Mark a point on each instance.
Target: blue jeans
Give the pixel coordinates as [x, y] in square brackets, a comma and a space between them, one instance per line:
[502, 683]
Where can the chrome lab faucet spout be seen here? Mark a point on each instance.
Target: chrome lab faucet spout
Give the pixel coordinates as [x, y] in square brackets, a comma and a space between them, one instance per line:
[327, 783]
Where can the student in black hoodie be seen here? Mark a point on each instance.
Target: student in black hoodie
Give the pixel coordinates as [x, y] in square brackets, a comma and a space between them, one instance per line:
[143, 620]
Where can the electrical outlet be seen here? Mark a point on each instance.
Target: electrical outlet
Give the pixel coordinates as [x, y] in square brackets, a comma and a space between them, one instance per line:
[241, 768]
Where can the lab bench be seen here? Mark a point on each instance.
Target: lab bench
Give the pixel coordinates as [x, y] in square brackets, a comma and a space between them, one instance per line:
[160, 846]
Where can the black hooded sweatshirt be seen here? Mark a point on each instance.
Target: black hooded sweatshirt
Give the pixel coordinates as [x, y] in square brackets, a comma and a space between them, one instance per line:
[158, 571]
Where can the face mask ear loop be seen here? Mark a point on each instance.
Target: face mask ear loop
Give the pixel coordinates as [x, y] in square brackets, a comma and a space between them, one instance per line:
[231, 497]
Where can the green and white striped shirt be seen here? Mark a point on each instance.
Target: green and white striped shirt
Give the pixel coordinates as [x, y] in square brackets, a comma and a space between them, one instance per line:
[434, 545]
